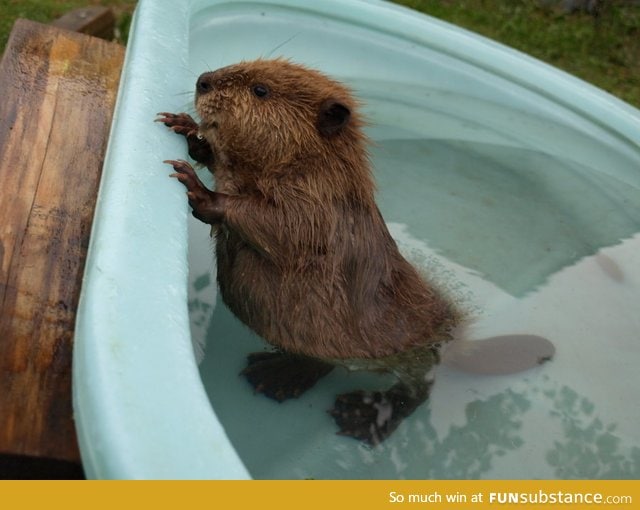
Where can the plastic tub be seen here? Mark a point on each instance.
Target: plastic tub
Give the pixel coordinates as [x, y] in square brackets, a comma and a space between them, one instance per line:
[512, 179]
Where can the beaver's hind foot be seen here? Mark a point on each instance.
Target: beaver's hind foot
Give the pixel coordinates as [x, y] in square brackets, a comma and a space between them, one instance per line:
[371, 416]
[280, 375]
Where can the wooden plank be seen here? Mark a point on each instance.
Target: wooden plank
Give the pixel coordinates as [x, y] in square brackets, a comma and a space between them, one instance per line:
[58, 90]
[94, 20]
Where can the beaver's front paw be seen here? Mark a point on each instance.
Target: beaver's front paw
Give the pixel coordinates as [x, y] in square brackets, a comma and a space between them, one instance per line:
[183, 124]
[280, 375]
[208, 206]
[371, 416]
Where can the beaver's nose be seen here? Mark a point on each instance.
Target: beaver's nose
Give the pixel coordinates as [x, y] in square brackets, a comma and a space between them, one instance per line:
[204, 84]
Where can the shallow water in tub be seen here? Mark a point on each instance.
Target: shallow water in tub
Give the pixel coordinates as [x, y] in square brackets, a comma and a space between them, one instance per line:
[533, 241]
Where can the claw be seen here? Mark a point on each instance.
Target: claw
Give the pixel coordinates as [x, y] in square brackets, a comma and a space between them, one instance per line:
[179, 165]
[184, 125]
[207, 206]
[184, 172]
[181, 120]
[164, 117]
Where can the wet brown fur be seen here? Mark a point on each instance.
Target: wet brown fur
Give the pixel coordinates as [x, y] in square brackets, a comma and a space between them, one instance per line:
[304, 256]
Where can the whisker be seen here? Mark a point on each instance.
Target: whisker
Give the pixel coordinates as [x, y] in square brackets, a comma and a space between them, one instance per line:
[190, 71]
[206, 65]
[282, 44]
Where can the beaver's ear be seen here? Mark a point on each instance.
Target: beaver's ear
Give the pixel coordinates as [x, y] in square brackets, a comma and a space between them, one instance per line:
[332, 117]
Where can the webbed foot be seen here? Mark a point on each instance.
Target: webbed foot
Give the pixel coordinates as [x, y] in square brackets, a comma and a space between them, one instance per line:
[371, 416]
[280, 375]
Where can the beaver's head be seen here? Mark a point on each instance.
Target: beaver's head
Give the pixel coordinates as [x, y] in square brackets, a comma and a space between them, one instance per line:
[268, 113]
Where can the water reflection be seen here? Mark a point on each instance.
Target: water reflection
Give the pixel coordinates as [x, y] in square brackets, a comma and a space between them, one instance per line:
[589, 447]
[492, 428]
[514, 215]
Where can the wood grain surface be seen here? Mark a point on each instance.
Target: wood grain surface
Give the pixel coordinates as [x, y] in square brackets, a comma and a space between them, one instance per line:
[93, 20]
[57, 93]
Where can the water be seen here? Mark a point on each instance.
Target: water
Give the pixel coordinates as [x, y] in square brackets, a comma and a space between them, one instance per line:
[535, 226]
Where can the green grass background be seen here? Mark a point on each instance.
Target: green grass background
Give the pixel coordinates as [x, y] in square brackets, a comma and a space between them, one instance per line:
[602, 48]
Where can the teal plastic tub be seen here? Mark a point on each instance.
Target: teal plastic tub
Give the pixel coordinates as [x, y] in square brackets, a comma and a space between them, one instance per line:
[515, 184]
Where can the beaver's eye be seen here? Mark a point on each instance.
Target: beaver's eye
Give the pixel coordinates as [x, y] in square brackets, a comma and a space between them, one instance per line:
[260, 90]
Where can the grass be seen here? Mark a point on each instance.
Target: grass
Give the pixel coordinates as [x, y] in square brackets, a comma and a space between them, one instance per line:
[602, 49]
[46, 11]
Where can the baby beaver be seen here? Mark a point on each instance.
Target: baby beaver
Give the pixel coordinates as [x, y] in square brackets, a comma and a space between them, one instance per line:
[304, 257]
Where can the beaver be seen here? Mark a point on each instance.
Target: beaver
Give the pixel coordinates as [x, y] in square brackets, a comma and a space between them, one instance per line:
[304, 257]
